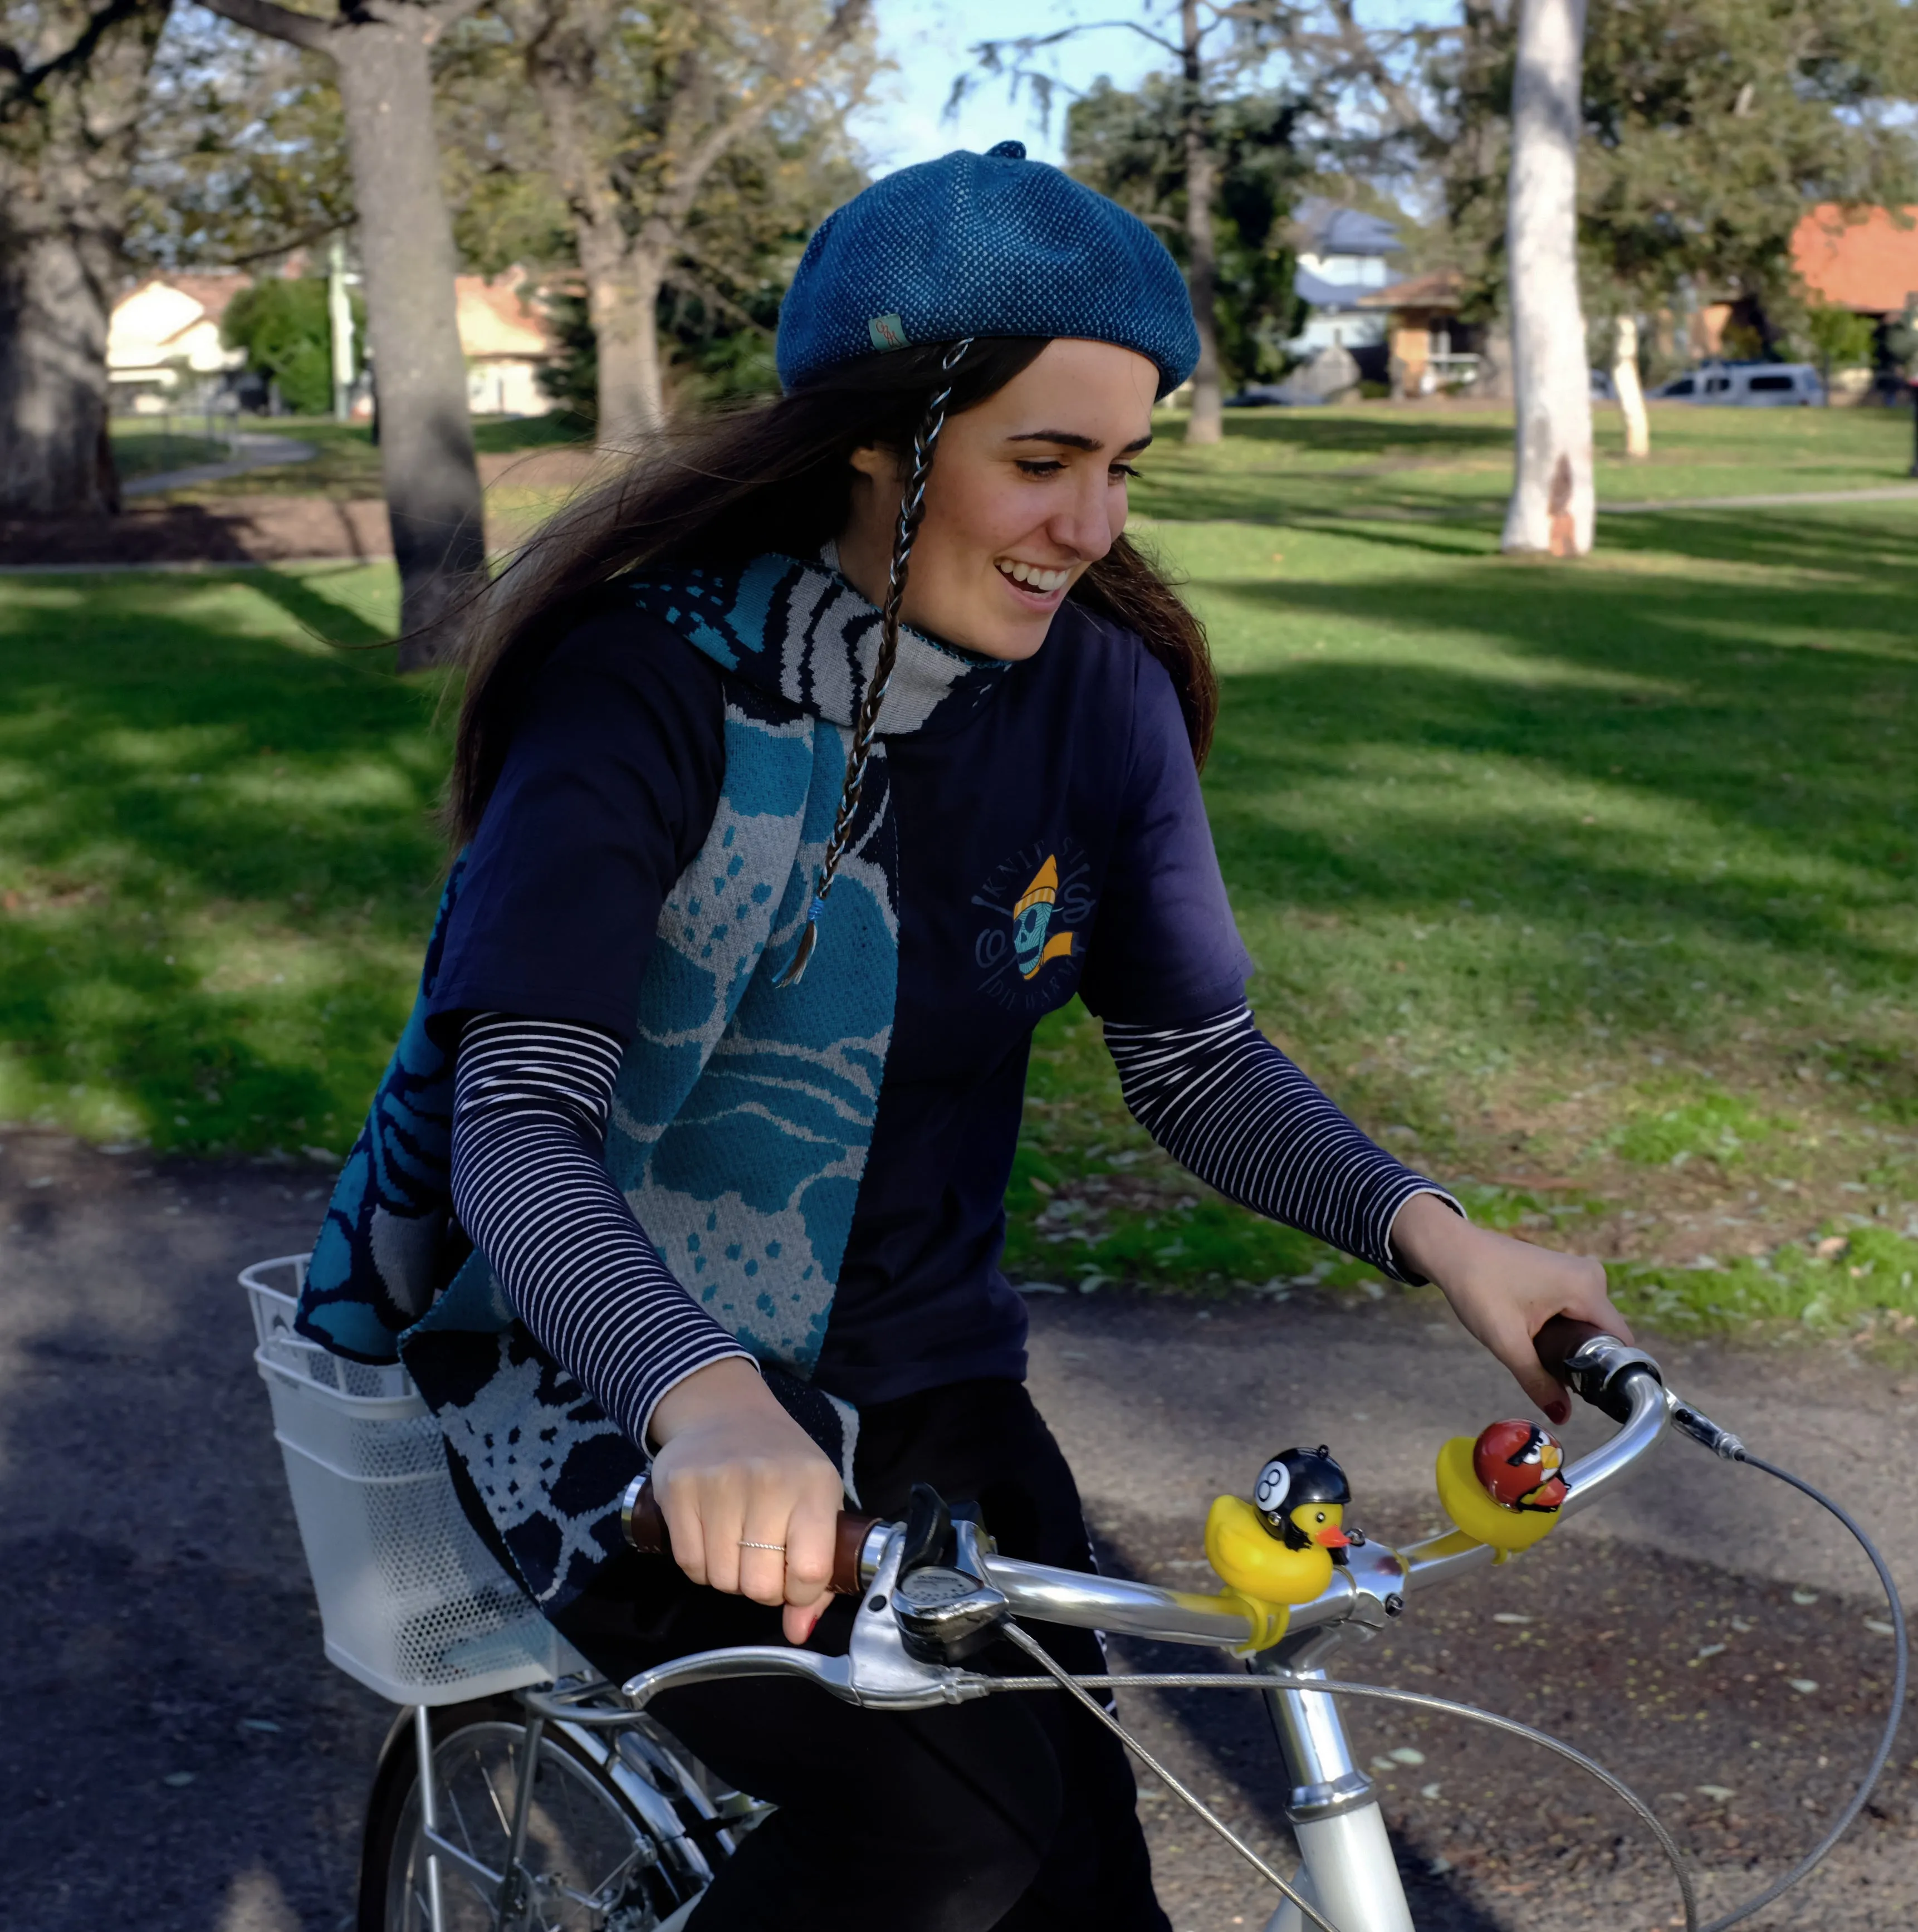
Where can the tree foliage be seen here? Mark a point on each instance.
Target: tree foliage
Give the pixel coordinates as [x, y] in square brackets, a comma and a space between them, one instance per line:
[1709, 127]
[676, 156]
[283, 325]
[1840, 338]
[1129, 144]
[242, 149]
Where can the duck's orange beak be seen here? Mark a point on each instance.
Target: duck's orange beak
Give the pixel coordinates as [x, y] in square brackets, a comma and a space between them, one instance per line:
[1333, 1539]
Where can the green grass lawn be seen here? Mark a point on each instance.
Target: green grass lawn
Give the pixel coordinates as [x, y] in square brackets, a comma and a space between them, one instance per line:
[1587, 887]
[1454, 460]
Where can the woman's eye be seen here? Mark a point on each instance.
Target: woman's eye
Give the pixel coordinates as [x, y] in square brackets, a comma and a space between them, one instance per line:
[1123, 472]
[1041, 466]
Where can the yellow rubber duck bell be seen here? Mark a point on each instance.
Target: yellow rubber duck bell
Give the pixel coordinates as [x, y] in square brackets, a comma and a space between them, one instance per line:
[1279, 1548]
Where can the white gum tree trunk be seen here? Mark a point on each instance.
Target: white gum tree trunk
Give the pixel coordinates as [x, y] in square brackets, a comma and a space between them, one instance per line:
[1630, 392]
[1550, 512]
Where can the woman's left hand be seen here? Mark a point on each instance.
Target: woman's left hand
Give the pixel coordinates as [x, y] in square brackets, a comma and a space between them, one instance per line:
[1504, 1291]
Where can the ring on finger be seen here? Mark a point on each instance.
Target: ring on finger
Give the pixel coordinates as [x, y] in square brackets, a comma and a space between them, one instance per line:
[747, 1542]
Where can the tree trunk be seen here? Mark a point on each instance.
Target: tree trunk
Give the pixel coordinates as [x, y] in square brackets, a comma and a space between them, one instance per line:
[1207, 422]
[56, 458]
[65, 151]
[622, 280]
[628, 240]
[427, 468]
[1630, 391]
[1551, 508]
[624, 305]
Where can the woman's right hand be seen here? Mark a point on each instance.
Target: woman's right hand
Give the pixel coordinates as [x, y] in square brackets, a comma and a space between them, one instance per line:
[733, 1468]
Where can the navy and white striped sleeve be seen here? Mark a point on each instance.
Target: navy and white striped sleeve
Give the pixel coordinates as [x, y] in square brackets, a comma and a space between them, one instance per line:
[531, 1099]
[1230, 1107]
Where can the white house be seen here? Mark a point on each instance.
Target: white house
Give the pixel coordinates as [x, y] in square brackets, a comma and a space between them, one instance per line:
[166, 332]
[506, 339]
[1342, 255]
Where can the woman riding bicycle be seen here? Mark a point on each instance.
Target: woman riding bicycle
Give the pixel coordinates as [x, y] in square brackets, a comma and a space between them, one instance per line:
[734, 988]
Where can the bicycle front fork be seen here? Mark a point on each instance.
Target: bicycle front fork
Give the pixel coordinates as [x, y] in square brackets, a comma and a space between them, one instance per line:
[1347, 1869]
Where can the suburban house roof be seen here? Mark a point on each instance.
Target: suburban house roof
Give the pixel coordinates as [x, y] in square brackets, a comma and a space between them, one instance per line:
[495, 321]
[168, 319]
[1859, 260]
[1440, 289]
[1330, 229]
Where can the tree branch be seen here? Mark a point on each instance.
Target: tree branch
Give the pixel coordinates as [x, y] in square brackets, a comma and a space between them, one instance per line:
[277, 22]
[676, 203]
[1030, 43]
[443, 15]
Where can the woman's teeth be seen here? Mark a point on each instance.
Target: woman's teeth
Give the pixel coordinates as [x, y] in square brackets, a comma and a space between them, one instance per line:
[1033, 578]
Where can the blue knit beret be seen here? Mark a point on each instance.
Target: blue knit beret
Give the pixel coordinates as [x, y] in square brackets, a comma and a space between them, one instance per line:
[983, 244]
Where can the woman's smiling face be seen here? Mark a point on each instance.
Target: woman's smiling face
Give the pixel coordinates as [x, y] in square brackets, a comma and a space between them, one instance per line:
[1027, 489]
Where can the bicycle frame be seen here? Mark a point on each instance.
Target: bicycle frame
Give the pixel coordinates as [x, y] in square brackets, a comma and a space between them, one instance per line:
[1349, 1872]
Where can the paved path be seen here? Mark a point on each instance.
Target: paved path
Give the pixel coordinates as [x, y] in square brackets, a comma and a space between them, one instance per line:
[177, 1755]
[250, 451]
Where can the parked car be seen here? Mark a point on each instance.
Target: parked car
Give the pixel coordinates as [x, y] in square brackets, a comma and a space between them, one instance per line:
[1257, 396]
[1604, 390]
[1752, 385]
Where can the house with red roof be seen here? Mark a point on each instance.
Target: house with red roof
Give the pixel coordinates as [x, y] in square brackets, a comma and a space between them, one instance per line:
[507, 340]
[165, 331]
[1864, 259]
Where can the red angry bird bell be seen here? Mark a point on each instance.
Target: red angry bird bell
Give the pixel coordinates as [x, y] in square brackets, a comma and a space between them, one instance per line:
[1519, 1465]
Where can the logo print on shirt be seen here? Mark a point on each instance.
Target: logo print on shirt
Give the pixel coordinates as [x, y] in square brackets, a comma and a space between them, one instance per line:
[1041, 901]
[1032, 915]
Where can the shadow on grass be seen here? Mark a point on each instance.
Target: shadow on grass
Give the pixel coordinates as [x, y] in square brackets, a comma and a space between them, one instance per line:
[561, 430]
[1745, 746]
[218, 856]
[325, 620]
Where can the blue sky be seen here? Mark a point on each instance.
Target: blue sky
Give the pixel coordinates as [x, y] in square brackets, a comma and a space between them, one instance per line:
[928, 40]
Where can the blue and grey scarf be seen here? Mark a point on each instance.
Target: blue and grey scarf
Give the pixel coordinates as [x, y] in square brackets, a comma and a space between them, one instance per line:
[743, 1110]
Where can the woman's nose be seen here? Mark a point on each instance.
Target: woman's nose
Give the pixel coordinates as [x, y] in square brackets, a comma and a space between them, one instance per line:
[1083, 526]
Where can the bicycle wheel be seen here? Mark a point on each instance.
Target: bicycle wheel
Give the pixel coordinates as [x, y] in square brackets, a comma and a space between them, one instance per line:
[593, 1863]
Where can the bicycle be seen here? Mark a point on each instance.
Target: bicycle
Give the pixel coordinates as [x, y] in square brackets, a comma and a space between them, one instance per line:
[619, 1829]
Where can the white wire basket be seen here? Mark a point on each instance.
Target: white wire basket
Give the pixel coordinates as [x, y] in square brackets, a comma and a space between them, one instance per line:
[411, 1603]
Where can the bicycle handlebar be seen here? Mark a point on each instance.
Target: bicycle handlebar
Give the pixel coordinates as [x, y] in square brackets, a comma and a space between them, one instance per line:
[1622, 1380]
[644, 1523]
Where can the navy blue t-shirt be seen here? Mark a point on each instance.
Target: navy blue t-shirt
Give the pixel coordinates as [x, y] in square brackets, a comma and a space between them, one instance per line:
[1077, 773]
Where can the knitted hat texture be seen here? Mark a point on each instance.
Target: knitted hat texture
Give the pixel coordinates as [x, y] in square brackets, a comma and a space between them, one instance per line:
[983, 244]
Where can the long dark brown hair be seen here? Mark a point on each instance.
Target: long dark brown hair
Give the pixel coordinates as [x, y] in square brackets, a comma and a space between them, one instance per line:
[772, 477]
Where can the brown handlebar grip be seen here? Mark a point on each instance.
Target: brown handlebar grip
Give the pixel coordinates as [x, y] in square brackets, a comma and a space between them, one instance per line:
[1560, 1340]
[847, 1542]
[646, 1531]
[644, 1523]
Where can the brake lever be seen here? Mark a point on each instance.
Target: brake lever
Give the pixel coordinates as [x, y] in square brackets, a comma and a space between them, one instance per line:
[877, 1672]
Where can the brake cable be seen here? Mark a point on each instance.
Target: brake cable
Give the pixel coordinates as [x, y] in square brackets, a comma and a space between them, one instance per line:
[1057, 1674]
[1701, 1429]
[1174, 1680]
[1724, 1444]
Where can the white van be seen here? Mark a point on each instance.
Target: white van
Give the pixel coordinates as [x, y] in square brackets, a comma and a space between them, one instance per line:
[1752, 385]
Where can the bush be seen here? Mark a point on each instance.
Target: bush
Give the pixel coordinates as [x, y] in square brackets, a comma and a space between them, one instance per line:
[1840, 339]
[283, 327]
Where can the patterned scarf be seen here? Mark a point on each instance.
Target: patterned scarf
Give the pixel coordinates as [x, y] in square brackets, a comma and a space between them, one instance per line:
[743, 1110]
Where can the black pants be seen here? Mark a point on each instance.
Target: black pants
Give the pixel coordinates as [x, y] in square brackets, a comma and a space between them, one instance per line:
[1015, 1811]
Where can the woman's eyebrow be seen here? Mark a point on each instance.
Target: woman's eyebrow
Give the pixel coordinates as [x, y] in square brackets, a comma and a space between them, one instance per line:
[1071, 439]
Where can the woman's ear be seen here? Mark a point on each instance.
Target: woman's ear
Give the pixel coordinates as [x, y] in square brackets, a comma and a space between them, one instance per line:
[877, 464]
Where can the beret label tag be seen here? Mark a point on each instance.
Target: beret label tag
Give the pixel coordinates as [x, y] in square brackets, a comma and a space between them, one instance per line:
[888, 332]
